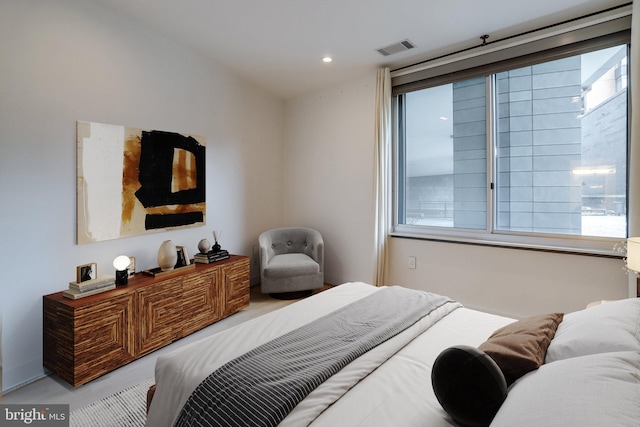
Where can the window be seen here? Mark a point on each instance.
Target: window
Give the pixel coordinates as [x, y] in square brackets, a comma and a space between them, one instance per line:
[529, 154]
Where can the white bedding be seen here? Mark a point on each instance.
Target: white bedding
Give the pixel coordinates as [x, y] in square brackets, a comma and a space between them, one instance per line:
[398, 392]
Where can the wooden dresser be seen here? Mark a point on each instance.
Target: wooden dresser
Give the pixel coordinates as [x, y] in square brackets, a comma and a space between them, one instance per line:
[88, 337]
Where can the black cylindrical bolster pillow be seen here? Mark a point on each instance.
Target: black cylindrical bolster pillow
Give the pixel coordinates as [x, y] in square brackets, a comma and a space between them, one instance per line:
[469, 385]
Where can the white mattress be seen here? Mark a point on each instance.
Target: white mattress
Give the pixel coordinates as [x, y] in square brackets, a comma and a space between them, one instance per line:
[398, 392]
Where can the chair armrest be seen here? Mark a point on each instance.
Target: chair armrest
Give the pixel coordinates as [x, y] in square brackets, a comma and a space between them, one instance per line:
[319, 249]
[266, 252]
[316, 243]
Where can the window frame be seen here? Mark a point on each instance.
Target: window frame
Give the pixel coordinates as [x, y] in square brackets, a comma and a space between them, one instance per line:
[594, 33]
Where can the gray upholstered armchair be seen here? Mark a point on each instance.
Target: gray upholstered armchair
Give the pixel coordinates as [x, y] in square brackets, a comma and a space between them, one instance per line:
[291, 260]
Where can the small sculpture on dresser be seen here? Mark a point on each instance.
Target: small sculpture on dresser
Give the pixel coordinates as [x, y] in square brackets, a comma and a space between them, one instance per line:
[216, 246]
[203, 246]
[167, 255]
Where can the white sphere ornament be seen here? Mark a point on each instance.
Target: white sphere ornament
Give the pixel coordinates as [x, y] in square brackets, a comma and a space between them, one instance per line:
[204, 245]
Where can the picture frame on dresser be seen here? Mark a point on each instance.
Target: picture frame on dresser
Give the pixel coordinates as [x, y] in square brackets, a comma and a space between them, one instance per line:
[132, 266]
[86, 272]
[183, 256]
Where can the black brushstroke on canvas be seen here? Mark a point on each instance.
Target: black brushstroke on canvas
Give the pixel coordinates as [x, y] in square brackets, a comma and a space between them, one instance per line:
[155, 175]
[156, 221]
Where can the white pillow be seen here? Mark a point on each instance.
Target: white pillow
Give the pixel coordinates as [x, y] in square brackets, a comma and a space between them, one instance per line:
[612, 326]
[597, 390]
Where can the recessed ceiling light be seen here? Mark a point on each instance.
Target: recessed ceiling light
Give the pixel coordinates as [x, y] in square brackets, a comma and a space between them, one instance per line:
[327, 59]
[443, 118]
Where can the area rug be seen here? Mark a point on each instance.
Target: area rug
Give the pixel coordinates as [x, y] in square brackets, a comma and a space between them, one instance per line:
[126, 408]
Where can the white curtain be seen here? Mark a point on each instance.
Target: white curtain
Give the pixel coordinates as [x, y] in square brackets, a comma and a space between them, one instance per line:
[634, 152]
[382, 196]
[634, 170]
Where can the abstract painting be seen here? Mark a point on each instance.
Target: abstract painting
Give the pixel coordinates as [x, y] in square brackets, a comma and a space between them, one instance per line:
[132, 181]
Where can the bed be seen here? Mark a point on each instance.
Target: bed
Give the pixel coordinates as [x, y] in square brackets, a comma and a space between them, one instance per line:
[587, 373]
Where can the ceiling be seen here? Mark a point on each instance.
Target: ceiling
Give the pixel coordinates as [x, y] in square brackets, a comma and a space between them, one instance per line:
[279, 44]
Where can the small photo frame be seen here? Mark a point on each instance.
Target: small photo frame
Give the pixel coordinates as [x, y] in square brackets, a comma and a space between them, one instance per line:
[183, 256]
[132, 266]
[86, 272]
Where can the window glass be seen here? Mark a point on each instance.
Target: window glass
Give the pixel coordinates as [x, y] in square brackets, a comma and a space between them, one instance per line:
[555, 162]
[446, 158]
[561, 146]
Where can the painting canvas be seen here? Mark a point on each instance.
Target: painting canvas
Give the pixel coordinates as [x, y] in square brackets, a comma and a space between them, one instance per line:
[133, 181]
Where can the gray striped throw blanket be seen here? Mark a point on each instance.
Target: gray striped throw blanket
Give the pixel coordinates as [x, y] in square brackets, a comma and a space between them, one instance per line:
[262, 386]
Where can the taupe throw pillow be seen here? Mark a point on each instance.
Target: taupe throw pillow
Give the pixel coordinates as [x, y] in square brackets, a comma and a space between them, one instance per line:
[520, 347]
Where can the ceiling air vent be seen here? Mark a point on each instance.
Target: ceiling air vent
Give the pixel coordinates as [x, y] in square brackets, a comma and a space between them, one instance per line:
[396, 47]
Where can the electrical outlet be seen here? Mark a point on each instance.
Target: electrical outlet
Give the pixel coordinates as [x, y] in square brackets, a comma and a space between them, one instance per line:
[412, 262]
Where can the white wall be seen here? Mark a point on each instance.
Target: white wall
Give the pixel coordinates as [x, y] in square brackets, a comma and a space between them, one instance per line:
[329, 174]
[64, 61]
[329, 182]
[512, 282]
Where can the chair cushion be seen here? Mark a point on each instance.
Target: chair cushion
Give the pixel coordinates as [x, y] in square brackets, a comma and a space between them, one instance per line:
[287, 265]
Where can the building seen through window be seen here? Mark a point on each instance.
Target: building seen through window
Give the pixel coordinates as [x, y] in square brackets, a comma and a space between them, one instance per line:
[557, 150]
